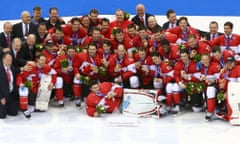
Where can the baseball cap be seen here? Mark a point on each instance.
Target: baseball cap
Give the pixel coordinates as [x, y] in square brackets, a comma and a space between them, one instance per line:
[230, 59]
[49, 43]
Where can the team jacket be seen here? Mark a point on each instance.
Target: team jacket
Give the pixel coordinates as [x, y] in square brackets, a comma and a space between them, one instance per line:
[147, 62]
[126, 64]
[77, 37]
[35, 75]
[67, 77]
[183, 35]
[230, 75]
[112, 104]
[225, 55]
[50, 57]
[190, 70]
[163, 71]
[225, 43]
[201, 48]
[210, 72]
[173, 54]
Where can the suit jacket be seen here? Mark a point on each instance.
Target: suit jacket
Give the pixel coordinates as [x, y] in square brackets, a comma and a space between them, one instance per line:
[18, 30]
[17, 62]
[3, 40]
[25, 54]
[207, 35]
[49, 25]
[4, 86]
[39, 40]
[138, 21]
[166, 25]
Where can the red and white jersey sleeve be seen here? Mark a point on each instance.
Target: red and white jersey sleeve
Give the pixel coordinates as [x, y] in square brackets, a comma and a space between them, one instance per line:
[126, 64]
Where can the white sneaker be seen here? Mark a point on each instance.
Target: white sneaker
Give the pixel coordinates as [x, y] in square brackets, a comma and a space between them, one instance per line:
[175, 110]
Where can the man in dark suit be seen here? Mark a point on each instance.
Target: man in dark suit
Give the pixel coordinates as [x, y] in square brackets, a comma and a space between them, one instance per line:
[41, 33]
[172, 20]
[24, 28]
[6, 35]
[18, 62]
[27, 52]
[54, 20]
[141, 18]
[213, 28]
[8, 89]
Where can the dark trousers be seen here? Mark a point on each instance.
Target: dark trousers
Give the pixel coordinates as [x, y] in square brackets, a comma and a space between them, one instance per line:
[10, 108]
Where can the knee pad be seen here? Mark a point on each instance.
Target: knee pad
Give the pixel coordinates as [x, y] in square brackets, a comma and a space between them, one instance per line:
[76, 81]
[23, 91]
[134, 82]
[176, 87]
[157, 85]
[59, 83]
[169, 88]
[211, 92]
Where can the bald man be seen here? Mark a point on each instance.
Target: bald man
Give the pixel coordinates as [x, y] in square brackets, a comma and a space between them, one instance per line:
[153, 26]
[25, 27]
[6, 35]
[27, 52]
[141, 16]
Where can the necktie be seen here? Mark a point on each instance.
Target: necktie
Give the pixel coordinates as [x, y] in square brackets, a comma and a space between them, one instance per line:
[16, 55]
[31, 53]
[8, 40]
[213, 36]
[26, 29]
[228, 42]
[8, 75]
[142, 20]
[172, 25]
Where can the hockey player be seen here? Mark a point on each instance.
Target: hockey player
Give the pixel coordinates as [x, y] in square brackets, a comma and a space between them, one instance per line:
[143, 64]
[209, 75]
[123, 69]
[75, 32]
[164, 78]
[186, 71]
[231, 73]
[183, 30]
[106, 94]
[228, 40]
[64, 69]
[29, 96]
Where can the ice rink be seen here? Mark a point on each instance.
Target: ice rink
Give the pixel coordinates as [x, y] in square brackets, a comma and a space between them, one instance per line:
[70, 125]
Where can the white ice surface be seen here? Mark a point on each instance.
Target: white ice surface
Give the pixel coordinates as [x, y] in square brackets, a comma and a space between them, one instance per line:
[70, 125]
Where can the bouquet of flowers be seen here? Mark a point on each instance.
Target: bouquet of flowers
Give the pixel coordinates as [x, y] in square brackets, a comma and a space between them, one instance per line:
[220, 96]
[39, 47]
[114, 30]
[102, 71]
[100, 109]
[126, 16]
[85, 79]
[197, 58]
[79, 49]
[134, 51]
[182, 47]
[64, 63]
[28, 84]
[194, 87]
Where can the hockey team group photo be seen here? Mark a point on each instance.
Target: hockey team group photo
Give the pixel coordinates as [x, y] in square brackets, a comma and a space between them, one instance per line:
[129, 65]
